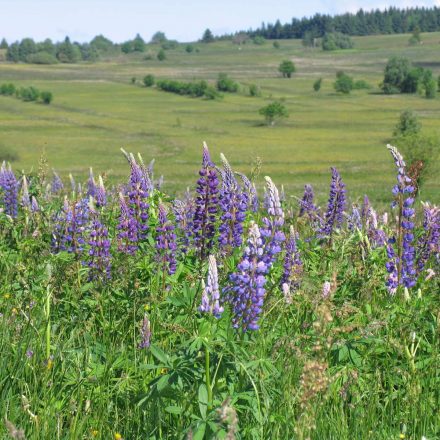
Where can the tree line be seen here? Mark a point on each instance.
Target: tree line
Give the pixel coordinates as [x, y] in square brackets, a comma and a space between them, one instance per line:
[389, 21]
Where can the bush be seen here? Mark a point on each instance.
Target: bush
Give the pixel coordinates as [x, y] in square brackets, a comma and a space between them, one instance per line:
[148, 80]
[133, 80]
[428, 85]
[41, 58]
[336, 40]
[254, 90]
[343, 83]
[46, 97]
[259, 40]
[196, 89]
[212, 93]
[360, 84]
[408, 124]
[189, 48]
[161, 56]
[226, 84]
[276, 45]
[317, 85]
[28, 94]
[286, 68]
[273, 112]
[401, 76]
[7, 89]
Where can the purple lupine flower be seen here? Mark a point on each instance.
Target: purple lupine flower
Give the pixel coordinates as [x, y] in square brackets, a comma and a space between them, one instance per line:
[56, 185]
[334, 216]
[70, 226]
[134, 211]
[293, 265]
[211, 293]
[251, 192]
[166, 242]
[91, 184]
[246, 291]
[354, 220]
[99, 258]
[307, 205]
[205, 214]
[429, 242]
[9, 186]
[233, 205]
[127, 229]
[100, 194]
[400, 250]
[34, 205]
[145, 333]
[271, 232]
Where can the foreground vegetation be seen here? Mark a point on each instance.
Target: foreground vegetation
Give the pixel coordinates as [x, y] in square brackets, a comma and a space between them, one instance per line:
[125, 313]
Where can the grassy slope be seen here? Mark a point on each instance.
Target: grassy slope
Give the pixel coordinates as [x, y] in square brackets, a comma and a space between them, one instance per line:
[96, 111]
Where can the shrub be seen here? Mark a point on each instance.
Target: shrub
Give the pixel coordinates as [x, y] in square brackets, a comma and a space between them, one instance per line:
[133, 80]
[46, 97]
[336, 40]
[276, 44]
[401, 76]
[196, 89]
[286, 68]
[273, 112]
[28, 94]
[41, 58]
[254, 90]
[343, 83]
[408, 124]
[7, 89]
[317, 85]
[259, 40]
[226, 84]
[161, 56]
[148, 80]
[428, 84]
[189, 48]
[212, 93]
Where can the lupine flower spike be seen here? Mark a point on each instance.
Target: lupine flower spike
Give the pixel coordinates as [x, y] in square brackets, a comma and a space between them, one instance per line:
[205, 214]
[246, 291]
[400, 248]
[334, 216]
[233, 205]
[211, 294]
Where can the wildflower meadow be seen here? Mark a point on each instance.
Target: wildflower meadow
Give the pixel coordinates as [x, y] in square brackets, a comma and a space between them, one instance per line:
[232, 312]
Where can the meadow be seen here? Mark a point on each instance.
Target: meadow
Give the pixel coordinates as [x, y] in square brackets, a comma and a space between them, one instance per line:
[97, 110]
[235, 309]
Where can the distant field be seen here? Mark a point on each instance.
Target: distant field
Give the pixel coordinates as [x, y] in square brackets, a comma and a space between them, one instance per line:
[96, 111]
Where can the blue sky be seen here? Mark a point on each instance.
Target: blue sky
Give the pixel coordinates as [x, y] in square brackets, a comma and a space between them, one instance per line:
[181, 20]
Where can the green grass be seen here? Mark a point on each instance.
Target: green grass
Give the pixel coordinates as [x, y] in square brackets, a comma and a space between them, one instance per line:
[96, 111]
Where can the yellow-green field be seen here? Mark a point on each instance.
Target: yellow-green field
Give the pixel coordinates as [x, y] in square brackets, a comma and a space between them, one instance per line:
[96, 110]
